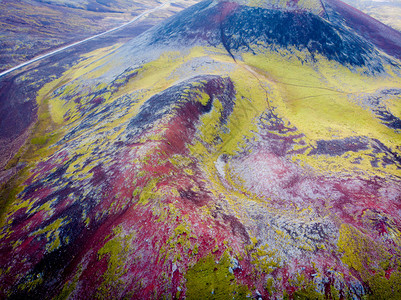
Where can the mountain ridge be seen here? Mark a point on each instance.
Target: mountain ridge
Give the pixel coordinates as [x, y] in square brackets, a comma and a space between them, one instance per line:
[209, 158]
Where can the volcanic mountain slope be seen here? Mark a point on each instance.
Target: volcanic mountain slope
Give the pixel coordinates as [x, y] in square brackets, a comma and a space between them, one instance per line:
[240, 149]
[386, 11]
[32, 27]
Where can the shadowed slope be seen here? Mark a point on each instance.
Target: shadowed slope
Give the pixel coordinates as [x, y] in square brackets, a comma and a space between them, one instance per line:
[217, 155]
[384, 37]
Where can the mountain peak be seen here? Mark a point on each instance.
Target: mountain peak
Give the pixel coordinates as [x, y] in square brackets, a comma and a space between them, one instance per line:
[241, 149]
[313, 6]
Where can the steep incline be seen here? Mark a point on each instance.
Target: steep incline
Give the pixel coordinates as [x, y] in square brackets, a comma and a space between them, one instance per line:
[385, 38]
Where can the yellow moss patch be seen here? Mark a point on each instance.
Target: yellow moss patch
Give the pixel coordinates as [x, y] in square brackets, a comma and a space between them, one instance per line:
[320, 101]
[52, 233]
[117, 251]
[316, 98]
[181, 240]
[209, 279]
[262, 257]
[370, 259]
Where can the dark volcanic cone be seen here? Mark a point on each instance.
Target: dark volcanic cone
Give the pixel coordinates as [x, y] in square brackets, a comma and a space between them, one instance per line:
[240, 149]
[332, 29]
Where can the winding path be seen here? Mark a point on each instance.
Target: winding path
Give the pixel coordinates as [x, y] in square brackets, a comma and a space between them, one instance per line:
[164, 4]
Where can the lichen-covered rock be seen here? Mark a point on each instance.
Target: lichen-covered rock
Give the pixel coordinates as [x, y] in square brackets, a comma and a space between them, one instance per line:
[268, 170]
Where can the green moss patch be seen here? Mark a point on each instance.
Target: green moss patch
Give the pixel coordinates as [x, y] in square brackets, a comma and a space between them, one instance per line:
[209, 279]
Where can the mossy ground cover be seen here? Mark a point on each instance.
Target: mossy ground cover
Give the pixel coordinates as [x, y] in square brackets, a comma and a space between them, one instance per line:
[219, 183]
